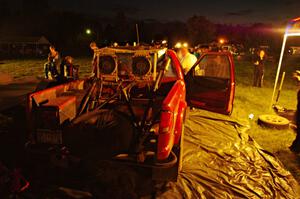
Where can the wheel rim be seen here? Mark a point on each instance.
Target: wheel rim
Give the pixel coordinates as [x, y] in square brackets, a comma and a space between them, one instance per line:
[274, 119]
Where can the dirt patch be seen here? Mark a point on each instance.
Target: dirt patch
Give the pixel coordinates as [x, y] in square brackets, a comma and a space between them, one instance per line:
[5, 79]
[5, 121]
[27, 79]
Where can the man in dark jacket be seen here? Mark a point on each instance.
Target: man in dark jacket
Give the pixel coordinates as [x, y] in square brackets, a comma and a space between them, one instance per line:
[259, 64]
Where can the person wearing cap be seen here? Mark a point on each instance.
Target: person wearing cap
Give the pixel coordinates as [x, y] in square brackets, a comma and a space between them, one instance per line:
[186, 59]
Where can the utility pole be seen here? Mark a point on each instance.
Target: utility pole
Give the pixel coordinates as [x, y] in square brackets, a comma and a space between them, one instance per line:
[137, 34]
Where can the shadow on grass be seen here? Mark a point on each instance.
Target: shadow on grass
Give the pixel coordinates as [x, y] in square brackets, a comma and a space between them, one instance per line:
[291, 161]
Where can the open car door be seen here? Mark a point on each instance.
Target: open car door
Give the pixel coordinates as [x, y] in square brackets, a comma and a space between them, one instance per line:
[211, 83]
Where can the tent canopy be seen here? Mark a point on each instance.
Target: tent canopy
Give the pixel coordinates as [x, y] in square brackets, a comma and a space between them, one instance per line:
[292, 30]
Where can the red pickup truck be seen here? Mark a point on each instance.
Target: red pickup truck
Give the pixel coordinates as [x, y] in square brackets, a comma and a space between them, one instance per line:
[139, 93]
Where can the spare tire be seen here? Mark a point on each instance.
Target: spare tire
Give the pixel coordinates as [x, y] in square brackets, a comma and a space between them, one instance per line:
[273, 121]
[100, 136]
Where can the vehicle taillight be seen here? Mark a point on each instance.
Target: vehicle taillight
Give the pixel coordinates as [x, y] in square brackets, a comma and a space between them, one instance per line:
[166, 122]
[165, 136]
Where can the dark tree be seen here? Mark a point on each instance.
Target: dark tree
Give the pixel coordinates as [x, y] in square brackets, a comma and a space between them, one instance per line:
[4, 9]
[122, 27]
[35, 7]
[200, 29]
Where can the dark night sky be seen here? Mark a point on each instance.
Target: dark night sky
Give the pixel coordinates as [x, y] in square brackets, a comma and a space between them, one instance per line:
[220, 11]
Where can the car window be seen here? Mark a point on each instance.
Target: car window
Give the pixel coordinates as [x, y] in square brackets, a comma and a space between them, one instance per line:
[213, 66]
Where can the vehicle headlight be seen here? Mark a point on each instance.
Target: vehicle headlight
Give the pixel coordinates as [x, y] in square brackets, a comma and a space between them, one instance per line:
[178, 45]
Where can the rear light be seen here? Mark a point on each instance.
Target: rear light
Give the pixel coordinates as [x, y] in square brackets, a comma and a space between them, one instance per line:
[165, 136]
[166, 122]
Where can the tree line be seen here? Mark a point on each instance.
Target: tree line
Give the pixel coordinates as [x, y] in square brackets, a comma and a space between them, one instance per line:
[67, 30]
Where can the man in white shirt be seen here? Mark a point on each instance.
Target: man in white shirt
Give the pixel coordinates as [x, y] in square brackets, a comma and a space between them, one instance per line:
[186, 59]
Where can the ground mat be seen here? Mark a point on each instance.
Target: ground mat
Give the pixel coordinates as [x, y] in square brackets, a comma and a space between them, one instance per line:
[221, 161]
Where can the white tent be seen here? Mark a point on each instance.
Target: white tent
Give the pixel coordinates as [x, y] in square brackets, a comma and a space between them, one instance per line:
[292, 30]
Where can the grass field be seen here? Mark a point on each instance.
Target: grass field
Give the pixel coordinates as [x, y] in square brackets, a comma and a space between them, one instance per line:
[247, 100]
[257, 101]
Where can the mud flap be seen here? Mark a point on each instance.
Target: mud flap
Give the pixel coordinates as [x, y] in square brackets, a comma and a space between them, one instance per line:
[168, 174]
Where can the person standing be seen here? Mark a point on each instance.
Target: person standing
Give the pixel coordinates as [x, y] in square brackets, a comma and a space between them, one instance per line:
[186, 59]
[259, 64]
[94, 48]
[295, 147]
[50, 66]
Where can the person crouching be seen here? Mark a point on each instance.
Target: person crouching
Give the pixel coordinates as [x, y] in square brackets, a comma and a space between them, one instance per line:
[68, 70]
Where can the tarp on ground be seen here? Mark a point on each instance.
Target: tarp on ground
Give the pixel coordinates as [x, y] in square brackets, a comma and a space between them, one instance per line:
[221, 160]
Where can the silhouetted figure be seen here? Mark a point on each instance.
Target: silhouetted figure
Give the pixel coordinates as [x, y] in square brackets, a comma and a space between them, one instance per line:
[295, 147]
[259, 63]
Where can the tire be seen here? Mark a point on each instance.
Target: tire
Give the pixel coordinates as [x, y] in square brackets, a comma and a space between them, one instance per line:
[100, 136]
[273, 121]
